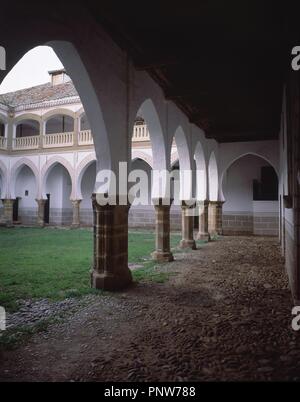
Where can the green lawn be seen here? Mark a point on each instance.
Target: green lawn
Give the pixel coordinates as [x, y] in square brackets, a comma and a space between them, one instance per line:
[55, 263]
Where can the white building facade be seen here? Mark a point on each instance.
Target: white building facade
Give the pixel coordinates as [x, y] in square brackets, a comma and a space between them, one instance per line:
[48, 166]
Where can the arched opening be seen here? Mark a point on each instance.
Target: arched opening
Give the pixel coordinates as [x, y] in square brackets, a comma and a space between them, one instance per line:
[180, 144]
[27, 128]
[175, 210]
[250, 188]
[2, 129]
[58, 188]
[147, 128]
[213, 180]
[201, 175]
[141, 213]
[87, 185]
[59, 124]
[25, 207]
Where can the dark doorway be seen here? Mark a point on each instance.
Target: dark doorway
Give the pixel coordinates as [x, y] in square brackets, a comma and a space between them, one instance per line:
[196, 222]
[16, 210]
[47, 209]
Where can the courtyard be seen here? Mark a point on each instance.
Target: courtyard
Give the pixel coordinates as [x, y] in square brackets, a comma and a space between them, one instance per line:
[213, 314]
[55, 263]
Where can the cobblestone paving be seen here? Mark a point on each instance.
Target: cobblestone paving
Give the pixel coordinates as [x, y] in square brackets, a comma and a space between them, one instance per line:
[224, 315]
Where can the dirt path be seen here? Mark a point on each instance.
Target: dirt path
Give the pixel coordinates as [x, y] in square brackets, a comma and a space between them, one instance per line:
[224, 315]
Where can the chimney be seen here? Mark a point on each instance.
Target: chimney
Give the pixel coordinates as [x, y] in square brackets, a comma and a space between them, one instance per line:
[59, 76]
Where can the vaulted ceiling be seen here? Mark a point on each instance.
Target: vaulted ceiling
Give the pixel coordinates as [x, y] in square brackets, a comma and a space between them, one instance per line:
[222, 62]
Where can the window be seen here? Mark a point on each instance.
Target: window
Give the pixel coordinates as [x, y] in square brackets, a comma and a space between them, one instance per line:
[267, 188]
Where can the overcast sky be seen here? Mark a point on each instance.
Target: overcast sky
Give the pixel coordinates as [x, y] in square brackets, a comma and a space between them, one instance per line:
[31, 70]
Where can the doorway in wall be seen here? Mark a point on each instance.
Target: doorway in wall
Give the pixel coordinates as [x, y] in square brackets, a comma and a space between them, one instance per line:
[47, 209]
[16, 210]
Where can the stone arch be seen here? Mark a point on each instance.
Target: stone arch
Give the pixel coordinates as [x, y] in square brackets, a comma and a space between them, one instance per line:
[56, 112]
[48, 167]
[81, 169]
[60, 117]
[201, 172]
[27, 116]
[236, 158]
[77, 70]
[16, 170]
[137, 154]
[148, 112]
[142, 164]
[213, 180]
[185, 166]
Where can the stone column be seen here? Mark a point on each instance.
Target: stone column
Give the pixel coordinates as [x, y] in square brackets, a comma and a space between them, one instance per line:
[76, 131]
[10, 131]
[41, 212]
[162, 251]
[203, 220]
[110, 268]
[76, 213]
[187, 226]
[215, 218]
[42, 133]
[7, 218]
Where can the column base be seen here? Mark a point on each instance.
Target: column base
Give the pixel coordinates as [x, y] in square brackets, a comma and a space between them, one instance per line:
[203, 236]
[161, 256]
[188, 244]
[6, 224]
[75, 226]
[110, 282]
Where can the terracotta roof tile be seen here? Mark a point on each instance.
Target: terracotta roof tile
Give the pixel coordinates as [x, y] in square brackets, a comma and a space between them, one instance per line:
[39, 93]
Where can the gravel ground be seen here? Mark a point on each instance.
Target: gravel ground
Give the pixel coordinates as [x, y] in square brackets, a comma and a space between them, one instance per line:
[224, 315]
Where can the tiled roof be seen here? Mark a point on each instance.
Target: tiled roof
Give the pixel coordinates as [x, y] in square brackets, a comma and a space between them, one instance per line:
[39, 93]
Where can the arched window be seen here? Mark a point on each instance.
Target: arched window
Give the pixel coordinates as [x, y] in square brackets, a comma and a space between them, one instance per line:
[60, 124]
[2, 129]
[27, 128]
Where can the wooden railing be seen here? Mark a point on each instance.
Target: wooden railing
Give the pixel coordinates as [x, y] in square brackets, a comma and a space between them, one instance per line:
[140, 133]
[85, 137]
[58, 140]
[3, 142]
[26, 142]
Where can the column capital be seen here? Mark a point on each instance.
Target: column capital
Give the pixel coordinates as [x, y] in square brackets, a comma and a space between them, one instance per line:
[40, 200]
[188, 204]
[76, 202]
[164, 202]
[108, 206]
